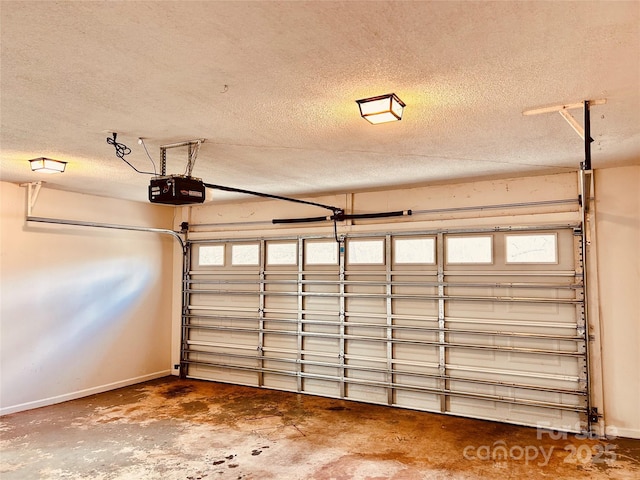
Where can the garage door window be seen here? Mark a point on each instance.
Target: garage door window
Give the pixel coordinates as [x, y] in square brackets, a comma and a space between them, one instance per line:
[321, 253]
[470, 250]
[539, 248]
[245, 254]
[414, 251]
[282, 254]
[211, 255]
[366, 252]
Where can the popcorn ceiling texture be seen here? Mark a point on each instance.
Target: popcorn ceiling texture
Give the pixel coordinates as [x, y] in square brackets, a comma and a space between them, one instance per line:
[272, 87]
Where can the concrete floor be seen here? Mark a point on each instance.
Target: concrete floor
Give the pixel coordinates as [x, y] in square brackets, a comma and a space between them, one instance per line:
[186, 429]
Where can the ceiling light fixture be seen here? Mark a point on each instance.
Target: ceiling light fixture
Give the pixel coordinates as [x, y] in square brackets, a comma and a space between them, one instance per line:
[381, 109]
[47, 165]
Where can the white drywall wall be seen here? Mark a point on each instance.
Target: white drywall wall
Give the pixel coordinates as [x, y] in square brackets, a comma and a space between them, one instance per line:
[617, 194]
[82, 309]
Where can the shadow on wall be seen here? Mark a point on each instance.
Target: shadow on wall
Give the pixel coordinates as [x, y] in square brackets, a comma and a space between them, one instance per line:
[58, 325]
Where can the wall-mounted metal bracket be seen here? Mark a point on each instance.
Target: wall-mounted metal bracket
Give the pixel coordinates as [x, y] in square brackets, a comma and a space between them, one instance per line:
[33, 189]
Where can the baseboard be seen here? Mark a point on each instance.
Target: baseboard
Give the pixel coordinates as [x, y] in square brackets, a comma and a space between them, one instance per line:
[626, 432]
[82, 393]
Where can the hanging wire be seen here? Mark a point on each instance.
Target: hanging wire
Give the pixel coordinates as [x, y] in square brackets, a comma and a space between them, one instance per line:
[122, 150]
[155, 170]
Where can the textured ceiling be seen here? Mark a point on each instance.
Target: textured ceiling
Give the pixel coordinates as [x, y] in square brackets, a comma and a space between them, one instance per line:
[272, 86]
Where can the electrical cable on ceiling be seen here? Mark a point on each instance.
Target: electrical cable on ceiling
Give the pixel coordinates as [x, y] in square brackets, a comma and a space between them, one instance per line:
[122, 150]
[141, 142]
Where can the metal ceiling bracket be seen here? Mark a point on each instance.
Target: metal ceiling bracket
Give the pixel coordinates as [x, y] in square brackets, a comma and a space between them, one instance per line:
[33, 189]
[194, 148]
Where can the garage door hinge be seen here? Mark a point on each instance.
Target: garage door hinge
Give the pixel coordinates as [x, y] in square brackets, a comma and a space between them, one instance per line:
[593, 415]
[577, 231]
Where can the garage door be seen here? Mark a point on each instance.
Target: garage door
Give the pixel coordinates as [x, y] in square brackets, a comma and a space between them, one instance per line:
[481, 323]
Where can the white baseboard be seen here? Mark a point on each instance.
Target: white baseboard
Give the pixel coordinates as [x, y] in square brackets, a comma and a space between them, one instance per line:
[82, 393]
[627, 432]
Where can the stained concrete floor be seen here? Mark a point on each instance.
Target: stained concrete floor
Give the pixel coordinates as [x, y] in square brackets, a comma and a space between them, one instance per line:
[188, 430]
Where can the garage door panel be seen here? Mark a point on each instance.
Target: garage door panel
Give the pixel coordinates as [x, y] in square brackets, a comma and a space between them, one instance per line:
[232, 337]
[365, 305]
[464, 308]
[362, 331]
[470, 388]
[370, 286]
[320, 345]
[321, 304]
[277, 284]
[417, 381]
[366, 393]
[523, 362]
[320, 284]
[225, 302]
[367, 375]
[415, 307]
[539, 381]
[415, 335]
[326, 388]
[364, 348]
[322, 328]
[473, 407]
[281, 303]
[329, 317]
[271, 341]
[280, 325]
[547, 418]
[490, 330]
[543, 363]
[320, 370]
[417, 400]
[225, 375]
[557, 313]
[415, 352]
[512, 325]
[226, 357]
[279, 363]
[469, 356]
[280, 382]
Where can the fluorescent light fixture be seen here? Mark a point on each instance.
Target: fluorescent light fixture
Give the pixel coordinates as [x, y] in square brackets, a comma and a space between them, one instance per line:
[381, 109]
[47, 165]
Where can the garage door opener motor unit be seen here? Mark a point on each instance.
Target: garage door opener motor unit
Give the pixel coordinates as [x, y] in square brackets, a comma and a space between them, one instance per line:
[176, 190]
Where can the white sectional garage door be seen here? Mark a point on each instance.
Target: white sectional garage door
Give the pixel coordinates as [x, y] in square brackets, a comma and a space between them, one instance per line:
[487, 323]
